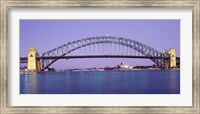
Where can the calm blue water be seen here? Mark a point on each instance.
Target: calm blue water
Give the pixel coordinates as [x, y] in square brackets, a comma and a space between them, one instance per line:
[102, 82]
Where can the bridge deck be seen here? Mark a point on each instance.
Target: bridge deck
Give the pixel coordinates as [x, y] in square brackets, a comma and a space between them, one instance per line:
[23, 59]
[97, 56]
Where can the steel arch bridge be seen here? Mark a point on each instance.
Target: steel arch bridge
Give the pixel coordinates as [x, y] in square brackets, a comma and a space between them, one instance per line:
[148, 52]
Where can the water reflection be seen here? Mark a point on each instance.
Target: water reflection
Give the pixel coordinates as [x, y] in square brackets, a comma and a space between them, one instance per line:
[174, 80]
[102, 82]
[31, 83]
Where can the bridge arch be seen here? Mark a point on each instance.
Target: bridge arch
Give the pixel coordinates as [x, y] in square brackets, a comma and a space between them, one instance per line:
[77, 44]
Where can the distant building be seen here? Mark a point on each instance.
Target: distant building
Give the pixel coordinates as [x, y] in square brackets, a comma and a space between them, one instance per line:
[122, 65]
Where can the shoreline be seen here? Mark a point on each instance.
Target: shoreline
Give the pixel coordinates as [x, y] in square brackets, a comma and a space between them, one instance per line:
[77, 70]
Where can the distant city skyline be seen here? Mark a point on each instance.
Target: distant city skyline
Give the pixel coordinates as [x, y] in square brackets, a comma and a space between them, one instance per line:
[48, 34]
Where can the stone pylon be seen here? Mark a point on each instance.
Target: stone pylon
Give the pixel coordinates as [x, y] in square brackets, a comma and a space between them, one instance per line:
[171, 62]
[34, 64]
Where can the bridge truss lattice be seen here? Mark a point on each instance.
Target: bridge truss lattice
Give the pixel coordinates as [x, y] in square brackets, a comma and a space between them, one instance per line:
[70, 47]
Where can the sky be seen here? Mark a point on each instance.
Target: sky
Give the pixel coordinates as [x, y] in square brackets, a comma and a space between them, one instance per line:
[48, 34]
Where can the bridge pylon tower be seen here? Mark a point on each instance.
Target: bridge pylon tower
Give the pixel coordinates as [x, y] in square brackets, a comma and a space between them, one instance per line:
[34, 64]
[171, 61]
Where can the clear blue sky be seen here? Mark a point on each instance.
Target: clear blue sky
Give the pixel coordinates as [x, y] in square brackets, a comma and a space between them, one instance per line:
[48, 34]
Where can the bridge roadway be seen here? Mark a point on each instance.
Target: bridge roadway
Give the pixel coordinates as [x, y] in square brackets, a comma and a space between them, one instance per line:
[24, 59]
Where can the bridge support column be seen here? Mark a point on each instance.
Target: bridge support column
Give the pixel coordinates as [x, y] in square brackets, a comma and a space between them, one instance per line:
[34, 64]
[170, 62]
[172, 58]
[166, 63]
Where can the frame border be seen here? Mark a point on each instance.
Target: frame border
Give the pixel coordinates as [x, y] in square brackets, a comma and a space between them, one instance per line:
[5, 5]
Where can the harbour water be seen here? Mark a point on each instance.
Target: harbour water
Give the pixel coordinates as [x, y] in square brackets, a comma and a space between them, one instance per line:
[102, 82]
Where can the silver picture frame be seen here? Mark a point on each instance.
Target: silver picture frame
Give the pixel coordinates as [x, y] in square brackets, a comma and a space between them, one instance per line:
[5, 5]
